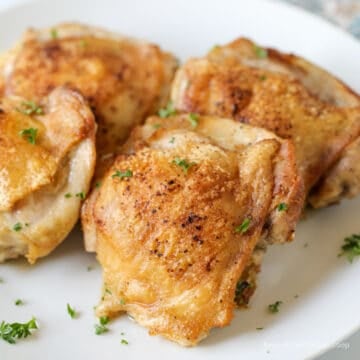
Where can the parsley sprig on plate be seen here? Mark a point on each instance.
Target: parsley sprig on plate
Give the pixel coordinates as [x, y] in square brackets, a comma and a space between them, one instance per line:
[11, 332]
[351, 247]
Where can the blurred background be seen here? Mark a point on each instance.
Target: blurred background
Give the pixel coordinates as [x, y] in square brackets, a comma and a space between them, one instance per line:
[345, 13]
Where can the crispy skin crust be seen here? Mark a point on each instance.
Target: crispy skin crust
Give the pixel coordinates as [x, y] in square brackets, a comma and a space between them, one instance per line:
[123, 79]
[35, 177]
[166, 237]
[284, 94]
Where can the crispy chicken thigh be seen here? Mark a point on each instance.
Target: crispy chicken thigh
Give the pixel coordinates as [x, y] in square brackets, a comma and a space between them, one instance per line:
[123, 79]
[178, 215]
[287, 95]
[47, 156]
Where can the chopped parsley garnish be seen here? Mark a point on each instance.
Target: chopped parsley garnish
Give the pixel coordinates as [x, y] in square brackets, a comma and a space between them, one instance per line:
[71, 311]
[274, 308]
[183, 163]
[80, 195]
[262, 77]
[101, 328]
[243, 228]
[260, 52]
[97, 184]
[17, 227]
[194, 119]
[156, 126]
[240, 287]
[107, 291]
[259, 328]
[54, 34]
[282, 207]
[29, 134]
[122, 174]
[172, 140]
[351, 248]
[19, 302]
[11, 332]
[124, 342]
[30, 108]
[122, 302]
[83, 43]
[167, 111]
[68, 195]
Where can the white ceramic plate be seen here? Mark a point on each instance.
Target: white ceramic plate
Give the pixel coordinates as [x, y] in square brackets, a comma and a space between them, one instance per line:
[328, 288]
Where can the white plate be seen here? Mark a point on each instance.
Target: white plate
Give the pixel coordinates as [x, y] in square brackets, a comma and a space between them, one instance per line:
[328, 287]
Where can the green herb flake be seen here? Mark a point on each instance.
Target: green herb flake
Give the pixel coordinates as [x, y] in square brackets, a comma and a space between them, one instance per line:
[156, 126]
[122, 174]
[183, 163]
[262, 77]
[10, 332]
[89, 268]
[83, 43]
[172, 140]
[30, 108]
[104, 320]
[282, 207]
[107, 291]
[71, 311]
[259, 328]
[97, 184]
[19, 302]
[124, 342]
[29, 134]
[102, 328]
[244, 227]
[351, 247]
[260, 52]
[17, 227]
[240, 287]
[122, 301]
[274, 308]
[68, 195]
[194, 119]
[54, 34]
[169, 110]
[80, 195]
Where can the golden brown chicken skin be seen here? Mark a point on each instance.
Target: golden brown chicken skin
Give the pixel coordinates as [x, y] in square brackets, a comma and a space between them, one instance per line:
[123, 79]
[178, 215]
[287, 95]
[47, 160]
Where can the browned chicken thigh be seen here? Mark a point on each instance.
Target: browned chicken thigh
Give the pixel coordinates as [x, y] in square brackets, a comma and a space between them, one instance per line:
[287, 95]
[123, 79]
[47, 160]
[179, 214]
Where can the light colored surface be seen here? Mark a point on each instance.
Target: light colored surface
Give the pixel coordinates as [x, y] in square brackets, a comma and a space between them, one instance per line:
[328, 287]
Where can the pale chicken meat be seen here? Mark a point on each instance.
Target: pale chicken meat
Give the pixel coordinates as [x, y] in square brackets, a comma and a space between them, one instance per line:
[288, 95]
[47, 160]
[123, 79]
[178, 216]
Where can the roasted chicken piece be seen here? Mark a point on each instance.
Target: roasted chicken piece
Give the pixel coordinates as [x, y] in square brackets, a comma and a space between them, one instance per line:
[47, 160]
[288, 95]
[178, 215]
[123, 79]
